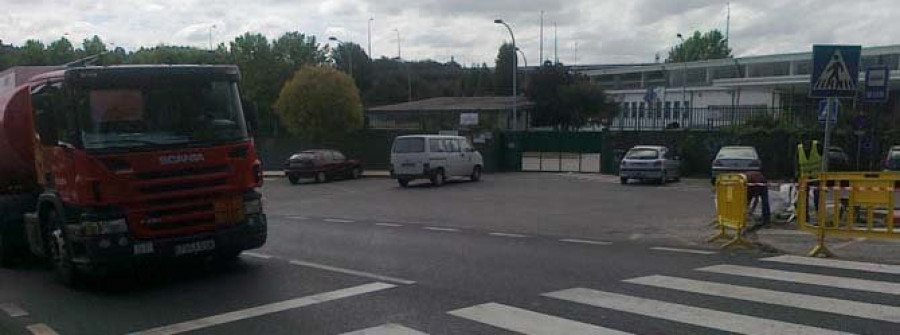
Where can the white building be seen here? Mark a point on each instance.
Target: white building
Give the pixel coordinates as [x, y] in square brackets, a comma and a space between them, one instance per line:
[714, 93]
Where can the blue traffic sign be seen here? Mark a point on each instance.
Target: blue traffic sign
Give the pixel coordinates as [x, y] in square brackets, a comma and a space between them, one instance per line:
[835, 71]
[823, 111]
[877, 84]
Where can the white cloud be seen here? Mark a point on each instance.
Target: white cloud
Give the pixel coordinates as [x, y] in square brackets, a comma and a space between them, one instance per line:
[605, 31]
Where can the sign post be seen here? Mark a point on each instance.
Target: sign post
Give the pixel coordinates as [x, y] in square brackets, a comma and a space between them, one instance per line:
[835, 75]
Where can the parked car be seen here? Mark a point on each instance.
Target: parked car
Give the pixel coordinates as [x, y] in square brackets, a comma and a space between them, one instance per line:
[322, 165]
[646, 162]
[838, 160]
[735, 159]
[892, 161]
[434, 157]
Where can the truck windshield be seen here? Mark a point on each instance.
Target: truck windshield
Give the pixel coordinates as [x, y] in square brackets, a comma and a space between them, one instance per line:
[184, 114]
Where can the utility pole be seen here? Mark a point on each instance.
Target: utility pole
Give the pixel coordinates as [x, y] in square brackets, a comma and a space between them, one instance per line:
[555, 45]
[575, 62]
[210, 36]
[399, 56]
[369, 37]
[541, 57]
[728, 27]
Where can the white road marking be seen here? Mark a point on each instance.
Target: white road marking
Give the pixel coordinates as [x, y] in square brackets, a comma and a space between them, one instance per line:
[253, 312]
[298, 218]
[527, 322]
[13, 310]
[508, 235]
[703, 317]
[256, 255]
[806, 278]
[388, 224]
[836, 264]
[338, 221]
[688, 251]
[810, 302]
[41, 329]
[575, 240]
[452, 230]
[353, 272]
[386, 329]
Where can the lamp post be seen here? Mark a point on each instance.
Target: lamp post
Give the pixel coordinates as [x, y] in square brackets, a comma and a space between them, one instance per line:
[515, 116]
[349, 53]
[684, 72]
[524, 60]
[399, 56]
[210, 36]
[369, 37]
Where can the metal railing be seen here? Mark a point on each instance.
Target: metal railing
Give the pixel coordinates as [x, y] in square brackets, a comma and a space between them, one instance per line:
[710, 118]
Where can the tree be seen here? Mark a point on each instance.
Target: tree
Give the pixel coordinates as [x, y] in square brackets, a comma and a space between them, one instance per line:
[295, 49]
[261, 72]
[566, 101]
[345, 54]
[503, 69]
[60, 52]
[93, 46]
[319, 102]
[709, 45]
[33, 53]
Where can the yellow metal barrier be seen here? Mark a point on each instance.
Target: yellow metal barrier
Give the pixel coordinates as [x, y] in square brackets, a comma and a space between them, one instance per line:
[731, 209]
[850, 204]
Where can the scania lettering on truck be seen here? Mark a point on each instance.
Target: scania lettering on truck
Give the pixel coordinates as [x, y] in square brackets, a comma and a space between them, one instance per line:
[106, 166]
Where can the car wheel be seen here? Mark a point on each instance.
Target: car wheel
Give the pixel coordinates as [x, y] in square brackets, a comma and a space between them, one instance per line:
[476, 174]
[321, 177]
[623, 180]
[59, 251]
[438, 178]
[294, 179]
[356, 173]
[403, 182]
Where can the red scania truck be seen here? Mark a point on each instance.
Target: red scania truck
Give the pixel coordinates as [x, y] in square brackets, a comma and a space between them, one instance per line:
[103, 166]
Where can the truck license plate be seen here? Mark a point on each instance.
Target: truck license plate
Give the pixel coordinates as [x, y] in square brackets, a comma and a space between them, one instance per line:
[194, 247]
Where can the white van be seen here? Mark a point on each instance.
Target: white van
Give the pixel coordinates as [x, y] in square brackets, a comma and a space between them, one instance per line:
[434, 157]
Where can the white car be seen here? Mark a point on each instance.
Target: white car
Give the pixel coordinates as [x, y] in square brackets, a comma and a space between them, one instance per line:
[434, 157]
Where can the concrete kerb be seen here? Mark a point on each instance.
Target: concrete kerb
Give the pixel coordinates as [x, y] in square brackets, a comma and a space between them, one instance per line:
[366, 174]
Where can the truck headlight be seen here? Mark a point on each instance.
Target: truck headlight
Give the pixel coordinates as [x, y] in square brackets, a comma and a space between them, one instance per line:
[253, 207]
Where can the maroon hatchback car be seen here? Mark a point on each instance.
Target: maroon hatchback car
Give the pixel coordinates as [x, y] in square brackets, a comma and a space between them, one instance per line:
[322, 165]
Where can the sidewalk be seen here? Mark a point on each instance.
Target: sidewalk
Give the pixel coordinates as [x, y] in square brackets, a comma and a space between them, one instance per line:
[366, 174]
[788, 239]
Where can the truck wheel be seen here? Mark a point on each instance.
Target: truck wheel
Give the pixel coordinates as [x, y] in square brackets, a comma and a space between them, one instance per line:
[403, 182]
[59, 251]
[293, 179]
[228, 256]
[438, 178]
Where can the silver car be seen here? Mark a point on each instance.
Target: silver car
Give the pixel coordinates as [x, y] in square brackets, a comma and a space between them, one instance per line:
[735, 159]
[647, 162]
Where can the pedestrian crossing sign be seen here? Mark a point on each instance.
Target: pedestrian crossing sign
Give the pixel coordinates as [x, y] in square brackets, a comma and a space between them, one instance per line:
[835, 71]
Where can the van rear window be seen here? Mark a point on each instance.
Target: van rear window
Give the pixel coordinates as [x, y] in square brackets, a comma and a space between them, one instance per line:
[409, 145]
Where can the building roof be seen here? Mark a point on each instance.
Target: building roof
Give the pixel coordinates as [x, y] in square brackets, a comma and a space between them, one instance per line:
[456, 104]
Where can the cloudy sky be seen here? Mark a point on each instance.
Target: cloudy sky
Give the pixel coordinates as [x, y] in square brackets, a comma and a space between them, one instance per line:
[589, 31]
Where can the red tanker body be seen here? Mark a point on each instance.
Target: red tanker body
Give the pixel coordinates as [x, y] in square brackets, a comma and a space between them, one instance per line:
[102, 166]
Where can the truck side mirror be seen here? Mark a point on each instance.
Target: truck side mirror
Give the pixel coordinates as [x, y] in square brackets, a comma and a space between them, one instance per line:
[251, 117]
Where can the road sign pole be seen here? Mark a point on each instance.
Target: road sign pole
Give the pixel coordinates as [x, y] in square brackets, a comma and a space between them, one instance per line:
[826, 146]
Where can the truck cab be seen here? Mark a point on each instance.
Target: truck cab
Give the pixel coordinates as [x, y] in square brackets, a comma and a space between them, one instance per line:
[134, 162]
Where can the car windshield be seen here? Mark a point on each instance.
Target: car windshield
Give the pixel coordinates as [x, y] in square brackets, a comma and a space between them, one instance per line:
[180, 114]
[409, 145]
[737, 153]
[640, 154]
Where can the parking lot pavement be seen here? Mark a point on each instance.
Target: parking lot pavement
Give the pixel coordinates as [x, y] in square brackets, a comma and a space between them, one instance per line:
[570, 205]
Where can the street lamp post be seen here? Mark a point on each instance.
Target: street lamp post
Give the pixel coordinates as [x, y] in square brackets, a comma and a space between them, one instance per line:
[684, 72]
[515, 116]
[524, 60]
[399, 56]
[210, 36]
[349, 53]
[369, 37]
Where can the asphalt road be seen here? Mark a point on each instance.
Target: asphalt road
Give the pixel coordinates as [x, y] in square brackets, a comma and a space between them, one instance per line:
[404, 271]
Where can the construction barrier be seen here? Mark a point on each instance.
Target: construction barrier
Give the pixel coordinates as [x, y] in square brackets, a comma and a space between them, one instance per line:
[731, 209]
[848, 204]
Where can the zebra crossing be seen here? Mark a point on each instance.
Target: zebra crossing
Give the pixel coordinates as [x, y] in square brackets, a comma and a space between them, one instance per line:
[767, 286]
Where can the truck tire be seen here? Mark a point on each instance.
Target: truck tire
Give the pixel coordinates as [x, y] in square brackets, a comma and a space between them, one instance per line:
[60, 255]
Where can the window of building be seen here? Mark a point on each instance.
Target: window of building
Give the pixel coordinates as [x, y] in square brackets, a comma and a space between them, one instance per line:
[668, 109]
